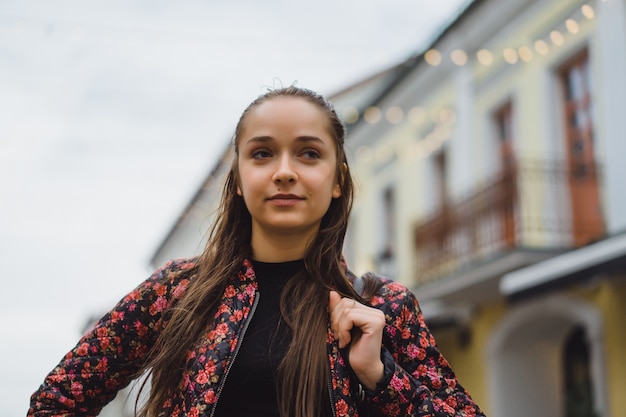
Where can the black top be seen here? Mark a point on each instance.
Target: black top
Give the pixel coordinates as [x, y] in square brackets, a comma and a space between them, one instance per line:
[250, 387]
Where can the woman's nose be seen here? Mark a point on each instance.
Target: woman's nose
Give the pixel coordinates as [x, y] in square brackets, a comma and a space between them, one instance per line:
[285, 171]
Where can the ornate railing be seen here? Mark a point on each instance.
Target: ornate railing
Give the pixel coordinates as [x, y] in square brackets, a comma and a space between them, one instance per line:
[530, 204]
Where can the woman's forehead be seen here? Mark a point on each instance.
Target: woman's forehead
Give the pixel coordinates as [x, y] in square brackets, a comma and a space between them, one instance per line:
[293, 105]
[286, 114]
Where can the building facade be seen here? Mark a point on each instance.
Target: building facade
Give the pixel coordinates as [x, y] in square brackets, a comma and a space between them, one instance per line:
[490, 182]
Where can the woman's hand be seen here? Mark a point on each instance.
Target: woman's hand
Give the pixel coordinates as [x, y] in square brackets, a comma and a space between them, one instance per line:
[347, 314]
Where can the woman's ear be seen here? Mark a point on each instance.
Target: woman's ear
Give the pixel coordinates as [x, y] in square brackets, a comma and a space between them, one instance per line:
[337, 191]
[342, 175]
[239, 191]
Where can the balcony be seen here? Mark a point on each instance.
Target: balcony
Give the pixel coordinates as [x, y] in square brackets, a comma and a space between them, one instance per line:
[539, 207]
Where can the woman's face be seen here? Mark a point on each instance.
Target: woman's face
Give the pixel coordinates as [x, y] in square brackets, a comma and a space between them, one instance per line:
[287, 167]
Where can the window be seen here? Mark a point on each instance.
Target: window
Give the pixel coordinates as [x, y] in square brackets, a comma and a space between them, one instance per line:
[506, 181]
[441, 177]
[576, 80]
[577, 375]
[582, 177]
[386, 252]
[389, 221]
[503, 119]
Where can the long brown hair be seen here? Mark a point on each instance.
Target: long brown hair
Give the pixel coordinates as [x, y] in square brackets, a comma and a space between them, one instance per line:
[303, 373]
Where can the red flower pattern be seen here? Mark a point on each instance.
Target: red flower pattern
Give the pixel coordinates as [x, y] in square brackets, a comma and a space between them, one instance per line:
[420, 380]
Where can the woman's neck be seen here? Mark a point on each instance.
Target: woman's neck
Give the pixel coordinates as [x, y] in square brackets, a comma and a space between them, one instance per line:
[278, 248]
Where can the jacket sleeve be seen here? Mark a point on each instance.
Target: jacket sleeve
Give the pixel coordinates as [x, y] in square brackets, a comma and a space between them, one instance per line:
[108, 356]
[418, 379]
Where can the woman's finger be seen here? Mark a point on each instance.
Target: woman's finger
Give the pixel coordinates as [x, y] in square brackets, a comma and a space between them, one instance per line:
[340, 323]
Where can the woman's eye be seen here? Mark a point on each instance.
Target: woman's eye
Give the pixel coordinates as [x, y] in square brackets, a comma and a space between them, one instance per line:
[311, 154]
[261, 154]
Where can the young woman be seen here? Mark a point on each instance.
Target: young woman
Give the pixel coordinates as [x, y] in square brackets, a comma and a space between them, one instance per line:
[267, 322]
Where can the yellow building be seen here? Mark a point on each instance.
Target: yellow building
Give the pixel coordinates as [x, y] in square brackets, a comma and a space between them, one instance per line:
[491, 181]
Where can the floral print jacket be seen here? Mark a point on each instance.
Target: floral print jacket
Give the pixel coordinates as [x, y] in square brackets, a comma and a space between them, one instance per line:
[418, 380]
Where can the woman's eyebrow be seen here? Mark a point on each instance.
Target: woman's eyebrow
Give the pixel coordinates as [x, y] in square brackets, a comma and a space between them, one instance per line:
[261, 139]
[265, 139]
[309, 139]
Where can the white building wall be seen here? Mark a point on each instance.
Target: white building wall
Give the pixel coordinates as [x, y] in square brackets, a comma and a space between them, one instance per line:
[609, 46]
[413, 196]
[362, 235]
[462, 171]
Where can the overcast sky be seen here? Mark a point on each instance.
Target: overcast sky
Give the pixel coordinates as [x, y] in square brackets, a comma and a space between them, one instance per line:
[111, 115]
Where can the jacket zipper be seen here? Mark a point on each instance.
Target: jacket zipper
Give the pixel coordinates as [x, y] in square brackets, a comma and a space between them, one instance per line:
[330, 392]
[232, 360]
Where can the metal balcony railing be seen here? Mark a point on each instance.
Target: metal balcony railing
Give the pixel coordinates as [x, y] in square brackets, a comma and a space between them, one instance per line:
[530, 205]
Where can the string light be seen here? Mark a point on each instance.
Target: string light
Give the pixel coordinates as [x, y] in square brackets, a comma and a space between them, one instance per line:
[572, 26]
[372, 115]
[510, 55]
[485, 57]
[350, 114]
[459, 57]
[394, 115]
[433, 57]
[587, 11]
[525, 53]
[541, 47]
[557, 37]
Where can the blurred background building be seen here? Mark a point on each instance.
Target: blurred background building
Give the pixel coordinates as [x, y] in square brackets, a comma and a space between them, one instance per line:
[490, 180]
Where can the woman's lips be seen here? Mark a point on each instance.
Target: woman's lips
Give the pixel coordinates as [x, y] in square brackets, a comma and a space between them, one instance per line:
[284, 200]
